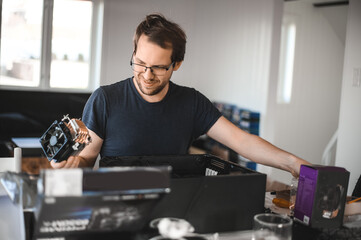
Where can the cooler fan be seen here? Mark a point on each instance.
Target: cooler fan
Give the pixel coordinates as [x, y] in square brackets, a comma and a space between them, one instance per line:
[330, 200]
[64, 138]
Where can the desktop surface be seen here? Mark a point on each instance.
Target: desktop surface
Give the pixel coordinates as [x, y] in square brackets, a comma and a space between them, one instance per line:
[299, 232]
[206, 201]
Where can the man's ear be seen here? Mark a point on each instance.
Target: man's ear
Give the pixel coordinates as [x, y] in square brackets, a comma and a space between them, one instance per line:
[177, 65]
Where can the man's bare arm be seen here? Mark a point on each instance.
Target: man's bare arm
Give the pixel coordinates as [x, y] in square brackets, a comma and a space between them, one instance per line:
[254, 148]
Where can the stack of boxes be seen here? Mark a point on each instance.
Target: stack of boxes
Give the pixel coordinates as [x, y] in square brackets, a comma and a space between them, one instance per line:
[246, 120]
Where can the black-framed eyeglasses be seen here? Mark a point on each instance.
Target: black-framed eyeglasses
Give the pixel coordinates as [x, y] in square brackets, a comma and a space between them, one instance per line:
[156, 70]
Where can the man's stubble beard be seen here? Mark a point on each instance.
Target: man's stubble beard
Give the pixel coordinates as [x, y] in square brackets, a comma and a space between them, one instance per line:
[154, 91]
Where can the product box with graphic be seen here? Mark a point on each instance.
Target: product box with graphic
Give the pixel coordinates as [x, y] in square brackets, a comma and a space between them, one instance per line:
[321, 196]
[76, 202]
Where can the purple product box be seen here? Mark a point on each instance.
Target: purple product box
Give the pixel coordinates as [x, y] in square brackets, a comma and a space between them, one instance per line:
[321, 196]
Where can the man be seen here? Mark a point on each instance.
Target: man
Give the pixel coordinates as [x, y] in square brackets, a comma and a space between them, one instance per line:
[150, 115]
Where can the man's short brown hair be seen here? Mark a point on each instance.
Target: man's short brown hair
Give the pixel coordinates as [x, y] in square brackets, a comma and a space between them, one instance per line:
[164, 33]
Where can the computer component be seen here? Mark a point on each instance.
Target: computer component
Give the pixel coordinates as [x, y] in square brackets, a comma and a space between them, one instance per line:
[86, 203]
[65, 138]
[321, 196]
[212, 194]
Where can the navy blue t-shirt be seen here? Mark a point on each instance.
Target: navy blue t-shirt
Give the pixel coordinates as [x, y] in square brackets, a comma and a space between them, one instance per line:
[131, 126]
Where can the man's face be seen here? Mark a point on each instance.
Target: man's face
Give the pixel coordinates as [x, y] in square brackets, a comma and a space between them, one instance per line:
[151, 87]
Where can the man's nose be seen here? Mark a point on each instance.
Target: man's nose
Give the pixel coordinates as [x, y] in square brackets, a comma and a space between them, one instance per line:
[148, 74]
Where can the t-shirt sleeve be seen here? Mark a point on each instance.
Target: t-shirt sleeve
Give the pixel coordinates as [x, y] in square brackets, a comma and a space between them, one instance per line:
[94, 114]
[206, 115]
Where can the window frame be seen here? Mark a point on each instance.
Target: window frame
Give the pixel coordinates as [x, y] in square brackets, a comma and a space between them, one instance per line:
[46, 50]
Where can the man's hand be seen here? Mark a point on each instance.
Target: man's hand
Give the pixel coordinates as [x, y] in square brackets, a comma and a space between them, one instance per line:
[86, 157]
[71, 162]
[296, 166]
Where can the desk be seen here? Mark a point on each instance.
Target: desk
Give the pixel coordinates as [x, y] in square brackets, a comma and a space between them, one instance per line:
[32, 165]
[32, 158]
[300, 231]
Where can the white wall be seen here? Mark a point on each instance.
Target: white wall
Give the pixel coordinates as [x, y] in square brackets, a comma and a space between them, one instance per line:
[307, 123]
[232, 56]
[349, 142]
[120, 21]
[228, 49]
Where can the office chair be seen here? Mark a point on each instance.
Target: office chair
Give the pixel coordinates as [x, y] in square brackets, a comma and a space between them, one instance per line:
[12, 164]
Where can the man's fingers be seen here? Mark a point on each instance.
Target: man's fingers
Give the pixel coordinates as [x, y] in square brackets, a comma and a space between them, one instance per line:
[57, 165]
[72, 162]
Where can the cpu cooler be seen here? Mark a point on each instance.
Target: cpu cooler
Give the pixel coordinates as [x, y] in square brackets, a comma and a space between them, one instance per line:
[65, 138]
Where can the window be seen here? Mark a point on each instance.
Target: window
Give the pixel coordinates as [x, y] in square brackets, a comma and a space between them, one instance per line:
[21, 42]
[288, 41]
[50, 44]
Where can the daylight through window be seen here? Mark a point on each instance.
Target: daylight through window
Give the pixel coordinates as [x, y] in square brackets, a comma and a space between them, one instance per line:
[49, 44]
[288, 41]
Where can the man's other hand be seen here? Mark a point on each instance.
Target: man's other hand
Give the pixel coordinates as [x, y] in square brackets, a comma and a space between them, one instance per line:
[71, 162]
